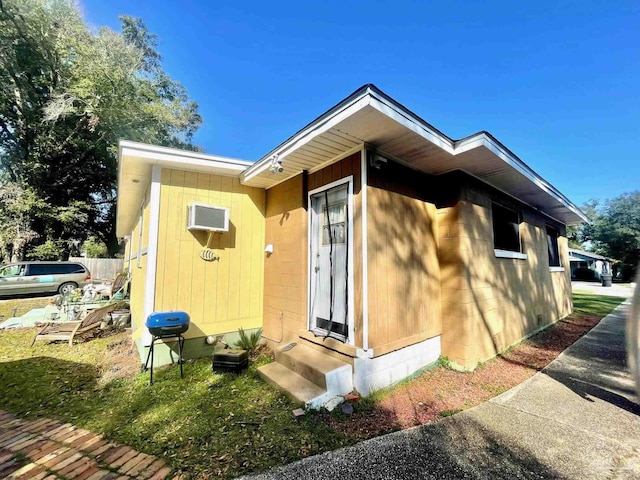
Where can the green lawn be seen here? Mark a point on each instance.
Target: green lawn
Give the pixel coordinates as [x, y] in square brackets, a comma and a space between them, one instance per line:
[595, 304]
[207, 425]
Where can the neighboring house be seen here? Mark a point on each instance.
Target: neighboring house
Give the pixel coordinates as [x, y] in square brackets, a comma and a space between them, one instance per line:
[369, 239]
[580, 261]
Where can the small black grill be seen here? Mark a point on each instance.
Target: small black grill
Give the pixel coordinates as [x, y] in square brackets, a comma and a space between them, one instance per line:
[163, 326]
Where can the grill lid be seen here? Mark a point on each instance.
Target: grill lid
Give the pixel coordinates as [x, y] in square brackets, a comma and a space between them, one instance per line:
[167, 319]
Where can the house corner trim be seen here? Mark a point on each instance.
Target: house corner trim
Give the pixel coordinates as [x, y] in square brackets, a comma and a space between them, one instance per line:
[152, 249]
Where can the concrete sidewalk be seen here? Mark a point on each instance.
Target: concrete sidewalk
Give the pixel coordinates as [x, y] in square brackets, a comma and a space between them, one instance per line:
[578, 419]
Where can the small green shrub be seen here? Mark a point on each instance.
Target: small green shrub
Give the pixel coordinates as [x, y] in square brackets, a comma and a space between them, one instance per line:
[444, 361]
[249, 342]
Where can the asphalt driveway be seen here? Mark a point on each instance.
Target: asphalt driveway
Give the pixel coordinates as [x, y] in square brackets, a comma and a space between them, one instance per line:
[578, 419]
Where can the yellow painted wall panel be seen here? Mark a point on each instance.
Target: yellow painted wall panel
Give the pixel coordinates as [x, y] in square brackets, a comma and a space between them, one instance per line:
[220, 295]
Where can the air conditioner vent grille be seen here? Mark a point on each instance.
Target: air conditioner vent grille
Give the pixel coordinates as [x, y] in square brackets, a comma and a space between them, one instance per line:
[207, 217]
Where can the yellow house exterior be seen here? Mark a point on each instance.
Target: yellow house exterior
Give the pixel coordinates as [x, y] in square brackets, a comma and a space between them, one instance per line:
[164, 258]
[366, 246]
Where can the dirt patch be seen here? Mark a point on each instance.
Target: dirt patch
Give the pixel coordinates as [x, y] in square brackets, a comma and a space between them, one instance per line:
[120, 358]
[442, 391]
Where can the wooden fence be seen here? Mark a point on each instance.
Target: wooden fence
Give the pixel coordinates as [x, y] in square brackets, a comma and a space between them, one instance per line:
[101, 268]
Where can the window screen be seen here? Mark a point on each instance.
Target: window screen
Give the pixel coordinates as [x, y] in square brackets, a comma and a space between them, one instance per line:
[506, 228]
[552, 247]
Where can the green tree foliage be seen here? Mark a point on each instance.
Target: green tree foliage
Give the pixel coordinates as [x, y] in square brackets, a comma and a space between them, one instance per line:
[614, 230]
[67, 95]
[95, 248]
[49, 250]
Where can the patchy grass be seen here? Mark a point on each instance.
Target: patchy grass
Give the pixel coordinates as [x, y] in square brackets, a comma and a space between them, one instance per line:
[213, 425]
[207, 425]
[19, 306]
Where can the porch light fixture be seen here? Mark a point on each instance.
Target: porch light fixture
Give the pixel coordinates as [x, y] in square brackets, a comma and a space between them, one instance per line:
[377, 161]
[276, 165]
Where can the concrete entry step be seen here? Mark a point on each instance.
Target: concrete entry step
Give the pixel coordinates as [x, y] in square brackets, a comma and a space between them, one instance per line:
[296, 387]
[312, 364]
[307, 375]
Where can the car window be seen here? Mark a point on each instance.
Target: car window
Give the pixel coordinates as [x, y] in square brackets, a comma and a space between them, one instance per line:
[75, 268]
[40, 269]
[11, 270]
[55, 268]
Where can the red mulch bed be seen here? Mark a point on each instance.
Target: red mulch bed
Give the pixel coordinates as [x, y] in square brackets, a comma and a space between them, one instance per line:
[442, 391]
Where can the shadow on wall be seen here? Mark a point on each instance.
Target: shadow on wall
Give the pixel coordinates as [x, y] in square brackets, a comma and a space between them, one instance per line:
[216, 240]
[500, 299]
[404, 273]
[515, 297]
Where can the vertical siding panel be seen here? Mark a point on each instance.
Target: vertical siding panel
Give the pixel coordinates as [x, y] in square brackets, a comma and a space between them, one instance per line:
[161, 260]
[256, 202]
[245, 270]
[234, 261]
[204, 288]
[186, 246]
[225, 241]
[199, 273]
[172, 264]
[336, 171]
[212, 268]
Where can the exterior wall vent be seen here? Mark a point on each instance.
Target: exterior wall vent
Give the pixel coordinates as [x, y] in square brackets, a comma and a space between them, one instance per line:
[207, 217]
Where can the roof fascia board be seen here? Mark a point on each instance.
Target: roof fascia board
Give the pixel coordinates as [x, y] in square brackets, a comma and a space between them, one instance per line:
[171, 160]
[400, 114]
[175, 152]
[501, 152]
[406, 119]
[519, 200]
[317, 127]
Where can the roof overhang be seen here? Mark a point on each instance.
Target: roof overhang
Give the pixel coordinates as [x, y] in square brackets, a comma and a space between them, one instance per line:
[135, 162]
[370, 117]
[591, 255]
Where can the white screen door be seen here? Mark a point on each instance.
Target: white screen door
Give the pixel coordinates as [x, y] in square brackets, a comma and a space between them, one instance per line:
[329, 238]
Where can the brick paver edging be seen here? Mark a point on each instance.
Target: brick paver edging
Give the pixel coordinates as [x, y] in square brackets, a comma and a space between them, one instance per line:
[45, 449]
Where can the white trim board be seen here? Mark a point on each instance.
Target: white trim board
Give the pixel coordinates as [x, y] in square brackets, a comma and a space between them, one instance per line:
[152, 250]
[365, 250]
[509, 254]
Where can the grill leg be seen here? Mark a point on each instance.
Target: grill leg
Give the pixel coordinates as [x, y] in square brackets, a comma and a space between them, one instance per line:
[153, 341]
[146, 363]
[180, 344]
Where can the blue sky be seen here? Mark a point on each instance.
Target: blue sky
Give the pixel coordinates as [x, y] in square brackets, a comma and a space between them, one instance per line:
[557, 82]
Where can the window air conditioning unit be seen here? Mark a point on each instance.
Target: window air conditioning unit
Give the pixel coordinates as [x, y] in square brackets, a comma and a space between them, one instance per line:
[207, 217]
